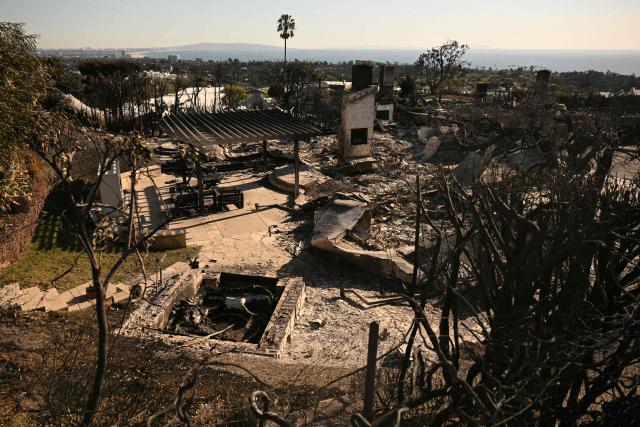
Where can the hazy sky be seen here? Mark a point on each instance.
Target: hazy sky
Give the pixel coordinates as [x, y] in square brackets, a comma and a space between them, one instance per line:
[544, 24]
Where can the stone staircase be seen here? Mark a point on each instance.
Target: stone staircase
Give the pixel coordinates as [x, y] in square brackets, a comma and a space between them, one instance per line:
[33, 298]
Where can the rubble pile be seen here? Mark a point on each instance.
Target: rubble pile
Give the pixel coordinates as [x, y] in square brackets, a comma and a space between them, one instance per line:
[388, 189]
[230, 314]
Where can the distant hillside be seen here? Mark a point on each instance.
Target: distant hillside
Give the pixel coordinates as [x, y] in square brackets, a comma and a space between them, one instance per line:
[221, 47]
[216, 51]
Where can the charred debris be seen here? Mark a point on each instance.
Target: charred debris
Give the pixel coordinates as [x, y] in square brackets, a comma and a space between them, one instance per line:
[229, 307]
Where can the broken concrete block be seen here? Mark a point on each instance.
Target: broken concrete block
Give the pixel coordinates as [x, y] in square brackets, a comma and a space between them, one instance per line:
[29, 298]
[9, 294]
[425, 132]
[335, 219]
[471, 167]
[170, 239]
[316, 324]
[49, 295]
[344, 214]
[431, 146]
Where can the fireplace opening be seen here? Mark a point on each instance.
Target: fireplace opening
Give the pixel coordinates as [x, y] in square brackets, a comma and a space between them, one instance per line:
[382, 114]
[359, 136]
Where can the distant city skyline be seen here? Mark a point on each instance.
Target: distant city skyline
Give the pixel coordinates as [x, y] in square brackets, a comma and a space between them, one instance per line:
[498, 24]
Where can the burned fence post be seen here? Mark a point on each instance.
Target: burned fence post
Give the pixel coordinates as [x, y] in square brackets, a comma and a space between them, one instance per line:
[416, 260]
[264, 151]
[370, 379]
[159, 262]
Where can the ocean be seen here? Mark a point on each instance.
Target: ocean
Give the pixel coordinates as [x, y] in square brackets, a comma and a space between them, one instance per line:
[618, 61]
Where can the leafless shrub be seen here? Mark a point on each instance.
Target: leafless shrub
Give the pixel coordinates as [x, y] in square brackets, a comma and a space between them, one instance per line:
[554, 265]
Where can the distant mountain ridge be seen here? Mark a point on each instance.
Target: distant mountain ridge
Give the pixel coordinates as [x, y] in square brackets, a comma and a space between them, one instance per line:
[220, 47]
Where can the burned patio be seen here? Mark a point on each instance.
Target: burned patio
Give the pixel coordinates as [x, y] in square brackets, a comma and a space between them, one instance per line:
[255, 234]
[268, 238]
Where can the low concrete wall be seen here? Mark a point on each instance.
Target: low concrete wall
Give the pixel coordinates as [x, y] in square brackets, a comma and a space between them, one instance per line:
[283, 321]
[188, 290]
[151, 171]
[153, 313]
[170, 239]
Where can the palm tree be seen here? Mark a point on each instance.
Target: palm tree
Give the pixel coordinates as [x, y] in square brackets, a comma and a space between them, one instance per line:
[286, 27]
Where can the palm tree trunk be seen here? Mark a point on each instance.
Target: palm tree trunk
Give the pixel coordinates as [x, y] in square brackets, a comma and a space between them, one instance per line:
[284, 85]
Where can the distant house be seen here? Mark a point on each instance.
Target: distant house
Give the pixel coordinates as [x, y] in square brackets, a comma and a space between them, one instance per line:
[631, 92]
[336, 85]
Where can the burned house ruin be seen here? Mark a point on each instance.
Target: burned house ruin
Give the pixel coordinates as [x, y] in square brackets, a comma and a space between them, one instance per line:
[385, 98]
[541, 92]
[355, 135]
[481, 92]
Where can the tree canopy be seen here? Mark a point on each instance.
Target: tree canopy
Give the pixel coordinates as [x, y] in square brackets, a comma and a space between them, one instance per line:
[440, 64]
[233, 96]
[24, 82]
[286, 26]
[95, 67]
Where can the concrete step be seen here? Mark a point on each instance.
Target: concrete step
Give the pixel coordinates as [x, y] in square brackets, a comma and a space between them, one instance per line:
[48, 296]
[115, 293]
[115, 288]
[9, 294]
[80, 300]
[51, 300]
[59, 303]
[69, 298]
[88, 303]
[30, 298]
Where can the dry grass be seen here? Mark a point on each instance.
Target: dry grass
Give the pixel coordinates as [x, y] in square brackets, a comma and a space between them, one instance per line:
[55, 258]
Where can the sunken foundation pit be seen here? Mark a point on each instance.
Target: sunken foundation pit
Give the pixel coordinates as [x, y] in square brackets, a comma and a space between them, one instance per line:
[229, 311]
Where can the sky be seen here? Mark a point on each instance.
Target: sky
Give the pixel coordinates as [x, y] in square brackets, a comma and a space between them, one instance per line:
[500, 24]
